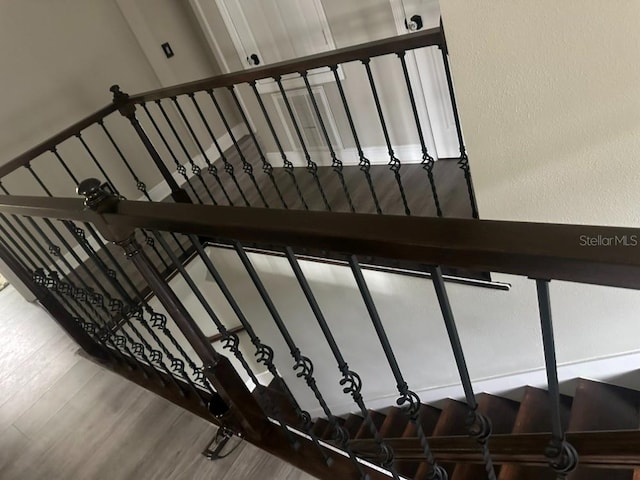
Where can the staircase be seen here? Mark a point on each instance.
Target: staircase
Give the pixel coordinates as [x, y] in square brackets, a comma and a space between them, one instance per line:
[594, 406]
[126, 312]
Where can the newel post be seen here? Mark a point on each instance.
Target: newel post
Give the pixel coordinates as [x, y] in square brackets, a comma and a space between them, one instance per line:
[128, 110]
[244, 413]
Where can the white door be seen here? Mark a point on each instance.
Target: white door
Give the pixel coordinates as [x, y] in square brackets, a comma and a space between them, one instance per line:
[426, 69]
[271, 31]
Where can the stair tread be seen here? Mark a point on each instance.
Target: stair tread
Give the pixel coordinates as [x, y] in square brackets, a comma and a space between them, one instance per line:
[601, 406]
[319, 426]
[394, 424]
[452, 419]
[329, 431]
[279, 403]
[364, 431]
[534, 416]
[428, 416]
[352, 424]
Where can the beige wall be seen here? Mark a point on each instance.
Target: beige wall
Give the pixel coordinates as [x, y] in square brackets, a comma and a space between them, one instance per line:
[549, 95]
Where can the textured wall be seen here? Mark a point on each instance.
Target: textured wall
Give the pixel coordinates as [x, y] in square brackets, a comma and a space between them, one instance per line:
[549, 96]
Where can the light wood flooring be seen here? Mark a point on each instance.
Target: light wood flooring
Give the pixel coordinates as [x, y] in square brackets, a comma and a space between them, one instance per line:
[64, 418]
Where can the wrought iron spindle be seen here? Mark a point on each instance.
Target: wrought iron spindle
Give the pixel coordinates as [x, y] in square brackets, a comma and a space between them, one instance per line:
[312, 167]
[341, 434]
[303, 365]
[246, 166]
[231, 341]
[350, 382]
[267, 168]
[228, 168]
[288, 166]
[479, 425]
[94, 160]
[181, 169]
[463, 162]
[427, 159]
[408, 399]
[128, 110]
[363, 162]
[336, 163]
[394, 162]
[139, 184]
[19, 240]
[563, 457]
[195, 169]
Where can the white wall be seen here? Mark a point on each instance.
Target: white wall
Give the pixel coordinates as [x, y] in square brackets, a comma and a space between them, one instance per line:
[499, 329]
[550, 105]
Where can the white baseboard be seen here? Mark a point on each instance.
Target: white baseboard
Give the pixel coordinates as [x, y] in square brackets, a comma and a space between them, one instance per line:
[379, 155]
[607, 369]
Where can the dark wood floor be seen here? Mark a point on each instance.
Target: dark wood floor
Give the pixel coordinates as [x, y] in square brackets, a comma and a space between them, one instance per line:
[449, 180]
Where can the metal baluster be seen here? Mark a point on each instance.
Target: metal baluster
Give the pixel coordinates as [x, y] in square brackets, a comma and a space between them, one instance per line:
[288, 166]
[53, 284]
[336, 163]
[181, 169]
[264, 353]
[94, 159]
[18, 241]
[50, 262]
[427, 160]
[341, 434]
[479, 425]
[408, 398]
[128, 110]
[139, 184]
[312, 167]
[227, 166]
[303, 365]
[267, 168]
[350, 382]
[563, 457]
[394, 162]
[463, 162]
[364, 163]
[155, 356]
[195, 169]
[246, 166]
[231, 341]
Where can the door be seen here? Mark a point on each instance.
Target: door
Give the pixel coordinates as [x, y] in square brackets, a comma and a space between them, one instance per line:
[427, 69]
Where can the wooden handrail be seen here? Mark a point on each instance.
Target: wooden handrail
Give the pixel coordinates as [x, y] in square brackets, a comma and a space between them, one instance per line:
[55, 140]
[401, 43]
[426, 38]
[540, 250]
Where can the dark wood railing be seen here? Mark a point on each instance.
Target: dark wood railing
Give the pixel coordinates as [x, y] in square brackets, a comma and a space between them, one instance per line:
[543, 252]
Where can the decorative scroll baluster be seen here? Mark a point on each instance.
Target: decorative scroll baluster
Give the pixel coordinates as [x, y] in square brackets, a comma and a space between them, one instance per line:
[336, 163]
[394, 162]
[128, 110]
[479, 425]
[195, 169]
[49, 263]
[246, 166]
[351, 382]
[231, 341]
[181, 169]
[246, 414]
[408, 399]
[340, 433]
[312, 167]
[303, 365]
[463, 162]
[227, 166]
[267, 168]
[562, 456]
[427, 160]
[93, 159]
[139, 184]
[364, 163]
[288, 166]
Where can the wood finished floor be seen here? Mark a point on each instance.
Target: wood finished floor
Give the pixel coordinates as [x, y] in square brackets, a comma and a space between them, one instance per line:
[64, 418]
